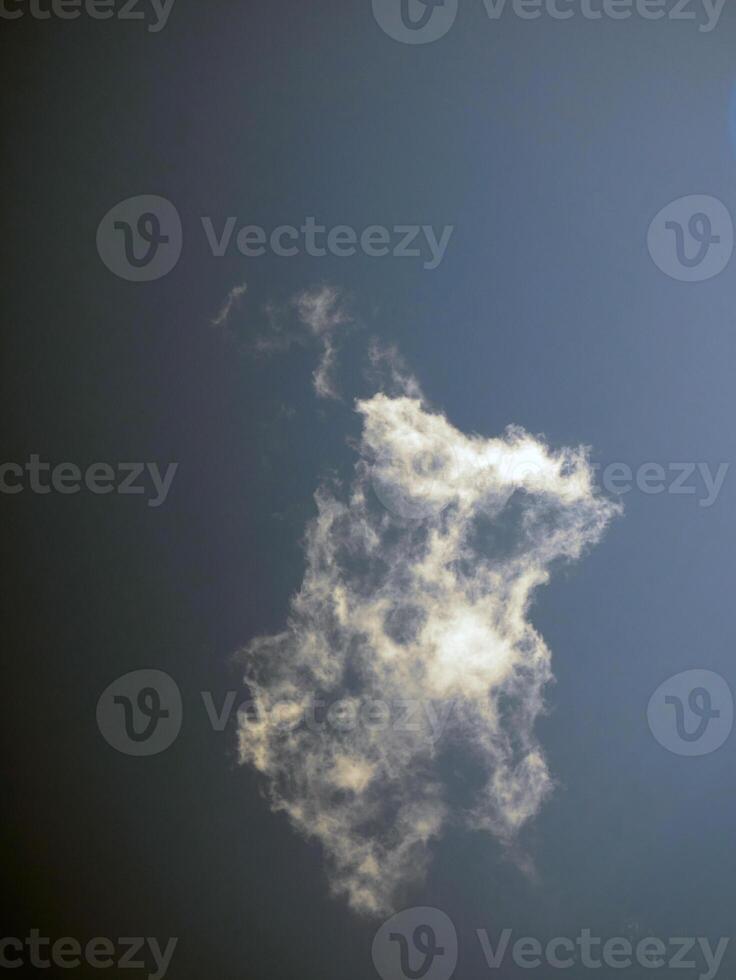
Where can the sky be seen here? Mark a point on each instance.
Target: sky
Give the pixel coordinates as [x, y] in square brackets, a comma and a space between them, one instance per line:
[547, 329]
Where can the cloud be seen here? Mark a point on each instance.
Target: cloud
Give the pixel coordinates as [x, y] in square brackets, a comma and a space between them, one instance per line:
[315, 315]
[320, 310]
[418, 582]
[388, 371]
[231, 302]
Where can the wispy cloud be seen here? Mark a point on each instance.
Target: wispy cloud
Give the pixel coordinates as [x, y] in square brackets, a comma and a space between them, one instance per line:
[317, 315]
[321, 311]
[418, 582]
[388, 371]
[231, 302]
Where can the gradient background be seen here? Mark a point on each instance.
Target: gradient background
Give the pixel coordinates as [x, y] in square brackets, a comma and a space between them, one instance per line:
[549, 146]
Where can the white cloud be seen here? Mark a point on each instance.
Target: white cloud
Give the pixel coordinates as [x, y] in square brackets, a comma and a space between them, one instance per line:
[315, 315]
[321, 312]
[389, 372]
[231, 302]
[417, 586]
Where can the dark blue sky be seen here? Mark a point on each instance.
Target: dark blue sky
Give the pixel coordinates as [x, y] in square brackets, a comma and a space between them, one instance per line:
[549, 147]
